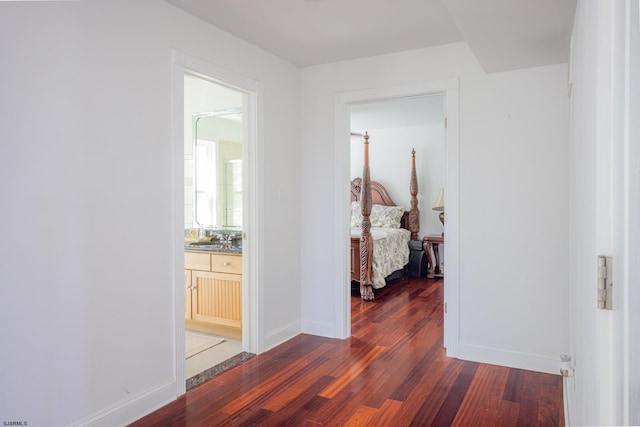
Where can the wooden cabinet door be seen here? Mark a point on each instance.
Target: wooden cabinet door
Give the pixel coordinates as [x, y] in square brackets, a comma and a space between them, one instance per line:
[217, 298]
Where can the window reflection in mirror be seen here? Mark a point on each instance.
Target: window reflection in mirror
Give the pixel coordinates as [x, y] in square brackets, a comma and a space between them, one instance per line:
[233, 192]
[205, 181]
[213, 155]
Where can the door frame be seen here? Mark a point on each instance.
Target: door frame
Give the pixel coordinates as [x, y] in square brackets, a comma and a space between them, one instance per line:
[253, 203]
[342, 106]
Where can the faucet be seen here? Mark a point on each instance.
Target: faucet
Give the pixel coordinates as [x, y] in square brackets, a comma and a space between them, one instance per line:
[224, 238]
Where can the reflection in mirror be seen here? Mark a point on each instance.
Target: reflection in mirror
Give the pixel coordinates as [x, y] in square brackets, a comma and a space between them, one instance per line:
[214, 132]
[217, 169]
[233, 192]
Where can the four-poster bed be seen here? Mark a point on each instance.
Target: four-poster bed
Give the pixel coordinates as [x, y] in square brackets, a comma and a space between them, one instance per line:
[379, 247]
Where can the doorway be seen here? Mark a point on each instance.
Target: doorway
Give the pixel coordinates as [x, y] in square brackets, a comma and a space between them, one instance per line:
[222, 129]
[214, 134]
[343, 104]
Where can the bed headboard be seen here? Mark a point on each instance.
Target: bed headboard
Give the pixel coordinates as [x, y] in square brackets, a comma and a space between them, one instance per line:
[379, 196]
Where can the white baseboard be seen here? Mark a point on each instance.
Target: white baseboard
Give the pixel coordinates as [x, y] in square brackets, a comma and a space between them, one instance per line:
[568, 398]
[512, 359]
[132, 409]
[280, 335]
[322, 329]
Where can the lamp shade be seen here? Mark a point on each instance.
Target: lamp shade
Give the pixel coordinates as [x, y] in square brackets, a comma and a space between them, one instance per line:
[439, 204]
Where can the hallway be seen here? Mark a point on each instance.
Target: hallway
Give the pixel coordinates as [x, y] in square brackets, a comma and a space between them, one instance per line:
[392, 371]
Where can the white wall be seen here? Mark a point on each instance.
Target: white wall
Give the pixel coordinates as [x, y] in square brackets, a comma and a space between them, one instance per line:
[604, 201]
[390, 163]
[513, 199]
[514, 217]
[86, 255]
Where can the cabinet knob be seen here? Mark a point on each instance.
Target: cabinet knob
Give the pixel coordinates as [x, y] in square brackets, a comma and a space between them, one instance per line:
[227, 264]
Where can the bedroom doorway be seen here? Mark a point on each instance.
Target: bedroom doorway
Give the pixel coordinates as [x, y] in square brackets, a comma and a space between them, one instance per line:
[215, 133]
[345, 104]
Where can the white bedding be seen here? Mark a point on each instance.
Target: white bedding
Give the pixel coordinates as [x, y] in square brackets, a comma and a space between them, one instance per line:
[390, 251]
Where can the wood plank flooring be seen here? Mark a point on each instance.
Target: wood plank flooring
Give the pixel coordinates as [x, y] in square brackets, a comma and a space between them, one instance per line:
[392, 372]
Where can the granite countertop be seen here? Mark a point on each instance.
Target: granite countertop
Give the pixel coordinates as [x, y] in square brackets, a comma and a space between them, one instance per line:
[213, 247]
[213, 240]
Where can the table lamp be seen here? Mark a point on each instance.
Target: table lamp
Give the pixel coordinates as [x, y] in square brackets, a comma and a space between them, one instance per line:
[439, 206]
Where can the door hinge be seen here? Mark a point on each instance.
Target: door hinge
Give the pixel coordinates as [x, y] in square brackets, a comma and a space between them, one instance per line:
[605, 282]
[445, 122]
[445, 308]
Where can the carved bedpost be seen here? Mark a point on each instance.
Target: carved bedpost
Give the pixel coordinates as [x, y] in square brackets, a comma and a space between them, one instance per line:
[414, 213]
[366, 241]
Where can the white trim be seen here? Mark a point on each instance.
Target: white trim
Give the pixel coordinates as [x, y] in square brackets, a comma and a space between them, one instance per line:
[252, 271]
[342, 101]
[129, 410]
[282, 334]
[568, 397]
[505, 357]
[323, 329]
[342, 307]
[631, 247]
[452, 222]
[177, 142]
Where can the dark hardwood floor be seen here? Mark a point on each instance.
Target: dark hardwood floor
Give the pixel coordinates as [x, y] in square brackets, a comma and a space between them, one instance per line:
[392, 372]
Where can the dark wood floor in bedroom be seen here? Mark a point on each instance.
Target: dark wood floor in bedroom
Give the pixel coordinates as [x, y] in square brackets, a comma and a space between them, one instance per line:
[392, 372]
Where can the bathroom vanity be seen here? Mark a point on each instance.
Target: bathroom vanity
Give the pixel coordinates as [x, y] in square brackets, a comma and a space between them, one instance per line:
[213, 209]
[213, 290]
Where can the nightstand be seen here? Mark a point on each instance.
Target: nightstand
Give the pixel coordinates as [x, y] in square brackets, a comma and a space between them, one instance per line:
[430, 243]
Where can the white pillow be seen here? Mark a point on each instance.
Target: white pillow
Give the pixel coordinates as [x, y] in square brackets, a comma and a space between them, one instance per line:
[356, 215]
[386, 216]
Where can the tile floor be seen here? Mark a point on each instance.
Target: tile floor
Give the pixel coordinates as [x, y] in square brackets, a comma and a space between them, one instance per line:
[212, 356]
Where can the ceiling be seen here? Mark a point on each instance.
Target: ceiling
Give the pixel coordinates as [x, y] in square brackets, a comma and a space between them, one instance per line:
[503, 34]
[398, 113]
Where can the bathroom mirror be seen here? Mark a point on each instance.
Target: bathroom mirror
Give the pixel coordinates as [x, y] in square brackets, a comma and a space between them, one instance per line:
[214, 132]
[217, 175]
